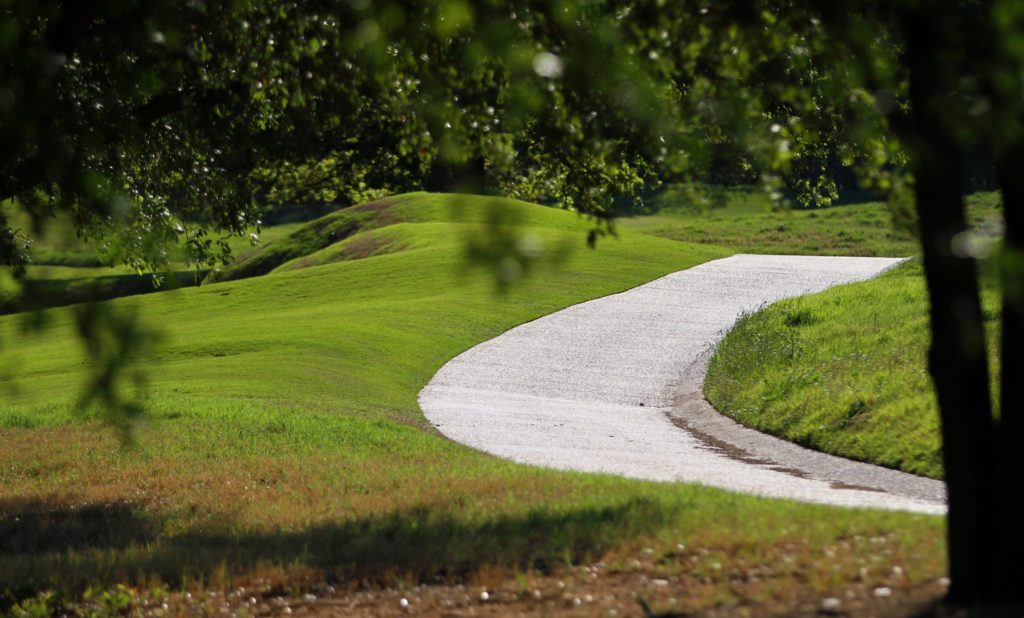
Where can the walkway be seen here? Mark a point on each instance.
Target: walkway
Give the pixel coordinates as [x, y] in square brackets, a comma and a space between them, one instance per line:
[613, 385]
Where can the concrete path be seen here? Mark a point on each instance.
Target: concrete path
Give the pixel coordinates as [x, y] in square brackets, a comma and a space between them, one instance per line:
[613, 385]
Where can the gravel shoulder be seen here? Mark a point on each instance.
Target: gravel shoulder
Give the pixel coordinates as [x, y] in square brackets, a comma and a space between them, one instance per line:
[614, 385]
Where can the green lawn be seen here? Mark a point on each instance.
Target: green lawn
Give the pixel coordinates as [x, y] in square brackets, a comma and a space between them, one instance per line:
[284, 440]
[751, 227]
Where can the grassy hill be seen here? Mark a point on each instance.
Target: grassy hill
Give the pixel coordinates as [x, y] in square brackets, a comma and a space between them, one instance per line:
[285, 452]
[844, 371]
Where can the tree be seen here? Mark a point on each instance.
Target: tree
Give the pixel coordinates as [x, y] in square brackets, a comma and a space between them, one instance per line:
[908, 92]
[140, 118]
[965, 69]
[158, 122]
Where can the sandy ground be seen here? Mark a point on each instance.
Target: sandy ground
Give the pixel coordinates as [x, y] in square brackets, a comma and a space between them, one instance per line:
[613, 385]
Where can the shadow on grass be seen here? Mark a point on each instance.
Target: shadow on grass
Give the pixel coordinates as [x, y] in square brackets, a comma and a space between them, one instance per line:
[69, 550]
[46, 293]
[31, 527]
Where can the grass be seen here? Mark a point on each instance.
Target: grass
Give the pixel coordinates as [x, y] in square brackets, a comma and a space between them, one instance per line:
[855, 230]
[843, 371]
[285, 445]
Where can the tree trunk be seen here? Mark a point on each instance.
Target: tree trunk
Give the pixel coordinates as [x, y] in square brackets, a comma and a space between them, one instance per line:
[957, 358]
[958, 366]
[1008, 568]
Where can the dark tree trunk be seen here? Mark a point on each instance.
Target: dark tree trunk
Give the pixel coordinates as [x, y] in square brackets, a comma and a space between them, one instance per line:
[1008, 570]
[957, 358]
[958, 366]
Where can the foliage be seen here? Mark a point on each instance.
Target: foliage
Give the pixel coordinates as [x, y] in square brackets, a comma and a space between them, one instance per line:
[152, 122]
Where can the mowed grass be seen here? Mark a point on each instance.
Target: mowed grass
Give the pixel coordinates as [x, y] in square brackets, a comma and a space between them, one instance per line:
[284, 443]
[752, 227]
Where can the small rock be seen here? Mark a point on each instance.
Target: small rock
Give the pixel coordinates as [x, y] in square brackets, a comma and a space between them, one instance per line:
[830, 604]
[659, 582]
[883, 592]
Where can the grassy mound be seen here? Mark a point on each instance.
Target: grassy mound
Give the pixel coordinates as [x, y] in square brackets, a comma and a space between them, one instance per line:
[355, 232]
[843, 371]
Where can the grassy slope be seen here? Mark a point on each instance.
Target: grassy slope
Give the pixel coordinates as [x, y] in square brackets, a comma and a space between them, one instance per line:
[285, 437]
[844, 371]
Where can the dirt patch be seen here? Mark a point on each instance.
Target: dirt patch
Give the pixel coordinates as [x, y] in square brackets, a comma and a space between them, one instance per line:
[384, 203]
[357, 249]
[364, 247]
[580, 591]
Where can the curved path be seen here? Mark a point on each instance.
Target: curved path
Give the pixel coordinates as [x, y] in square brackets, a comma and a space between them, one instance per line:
[613, 385]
